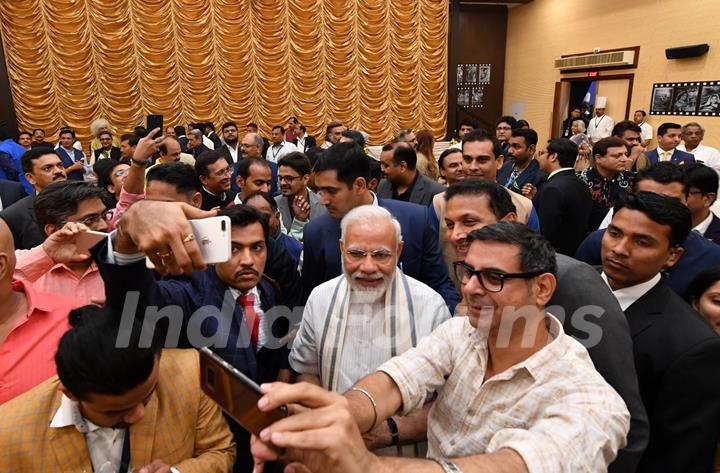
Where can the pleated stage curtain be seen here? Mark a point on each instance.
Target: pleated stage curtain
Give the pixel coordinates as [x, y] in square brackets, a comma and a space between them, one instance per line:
[377, 65]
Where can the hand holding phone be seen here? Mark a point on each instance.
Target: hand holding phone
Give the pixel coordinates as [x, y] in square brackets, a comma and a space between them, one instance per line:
[212, 236]
[155, 121]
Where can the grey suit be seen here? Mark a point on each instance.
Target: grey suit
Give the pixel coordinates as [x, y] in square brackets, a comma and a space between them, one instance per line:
[607, 338]
[422, 192]
[292, 227]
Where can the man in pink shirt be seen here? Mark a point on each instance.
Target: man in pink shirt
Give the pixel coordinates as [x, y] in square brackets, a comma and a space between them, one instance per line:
[31, 324]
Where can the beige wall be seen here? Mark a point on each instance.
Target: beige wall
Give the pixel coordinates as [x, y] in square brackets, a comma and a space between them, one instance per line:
[543, 30]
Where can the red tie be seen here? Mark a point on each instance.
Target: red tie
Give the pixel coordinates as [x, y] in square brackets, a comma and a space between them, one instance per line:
[252, 320]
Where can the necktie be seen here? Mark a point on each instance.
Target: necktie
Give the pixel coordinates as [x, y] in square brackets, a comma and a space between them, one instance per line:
[247, 301]
[666, 156]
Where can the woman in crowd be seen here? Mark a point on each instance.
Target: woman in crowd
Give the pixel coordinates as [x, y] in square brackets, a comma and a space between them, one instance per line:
[704, 296]
[426, 162]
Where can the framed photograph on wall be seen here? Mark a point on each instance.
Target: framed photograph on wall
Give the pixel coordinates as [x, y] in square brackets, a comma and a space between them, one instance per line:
[477, 97]
[471, 73]
[463, 97]
[686, 98]
[484, 77]
[661, 100]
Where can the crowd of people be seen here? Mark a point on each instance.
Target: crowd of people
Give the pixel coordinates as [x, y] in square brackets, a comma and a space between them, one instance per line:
[508, 305]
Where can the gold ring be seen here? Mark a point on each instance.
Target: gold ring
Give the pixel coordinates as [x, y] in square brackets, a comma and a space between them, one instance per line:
[163, 255]
[188, 238]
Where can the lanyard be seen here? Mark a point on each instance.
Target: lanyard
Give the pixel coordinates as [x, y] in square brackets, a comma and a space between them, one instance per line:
[278, 150]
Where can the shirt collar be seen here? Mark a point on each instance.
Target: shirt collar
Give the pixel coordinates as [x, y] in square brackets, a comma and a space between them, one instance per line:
[35, 302]
[236, 293]
[628, 295]
[68, 414]
[557, 171]
[703, 226]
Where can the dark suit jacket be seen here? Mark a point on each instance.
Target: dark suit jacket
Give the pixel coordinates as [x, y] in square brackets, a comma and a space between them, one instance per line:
[580, 291]
[420, 258]
[422, 192]
[700, 253]
[310, 142]
[199, 150]
[677, 357]
[531, 174]
[10, 192]
[67, 161]
[678, 157]
[563, 204]
[712, 233]
[215, 139]
[191, 294]
[210, 201]
[21, 220]
[114, 153]
[183, 143]
[228, 157]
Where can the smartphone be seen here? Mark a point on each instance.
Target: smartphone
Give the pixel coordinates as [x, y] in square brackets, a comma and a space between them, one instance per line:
[212, 235]
[237, 394]
[155, 121]
[86, 240]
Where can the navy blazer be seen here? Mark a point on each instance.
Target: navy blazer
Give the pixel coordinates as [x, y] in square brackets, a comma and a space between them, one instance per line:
[68, 161]
[530, 175]
[678, 157]
[420, 259]
[713, 231]
[700, 253]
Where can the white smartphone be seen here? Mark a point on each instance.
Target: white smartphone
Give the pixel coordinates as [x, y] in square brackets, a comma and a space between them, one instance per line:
[212, 235]
[87, 239]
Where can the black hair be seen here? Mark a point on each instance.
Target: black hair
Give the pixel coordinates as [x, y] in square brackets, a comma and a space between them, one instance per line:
[252, 125]
[626, 125]
[265, 196]
[243, 215]
[59, 200]
[37, 129]
[140, 131]
[403, 153]
[207, 158]
[244, 165]
[498, 197]
[330, 126]
[522, 124]
[375, 169]
[387, 147]
[601, 147]
[482, 135]
[664, 173]
[663, 128]
[131, 138]
[105, 132]
[356, 136]
[89, 360]
[64, 131]
[565, 150]
[314, 154]
[279, 127]
[536, 253]
[209, 125]
[529, 135]
[178, 174]
[702, 282]
[103, 168]
[179, 130]
[641, 111]
[297, 161]
[27, 158]
[23, 133]
[703, 177]
[163, 147]
[446, 153]
[660, 209]
[471, 122]
[509, 119]
[348, 160]
[228, 125]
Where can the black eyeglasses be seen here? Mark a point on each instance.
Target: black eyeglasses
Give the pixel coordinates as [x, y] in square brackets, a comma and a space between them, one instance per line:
[91, 219]
[490, 280]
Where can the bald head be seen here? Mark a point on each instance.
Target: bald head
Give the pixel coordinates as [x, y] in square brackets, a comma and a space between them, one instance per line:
[7, 258]
[252, 146]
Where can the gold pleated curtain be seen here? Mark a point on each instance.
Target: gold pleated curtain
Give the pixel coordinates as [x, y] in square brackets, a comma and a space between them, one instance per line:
[376, 65]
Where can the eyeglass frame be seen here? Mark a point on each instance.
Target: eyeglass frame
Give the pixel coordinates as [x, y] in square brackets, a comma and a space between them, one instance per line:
[92, 218]
[288, 179]
[477, 273]
[378, 256]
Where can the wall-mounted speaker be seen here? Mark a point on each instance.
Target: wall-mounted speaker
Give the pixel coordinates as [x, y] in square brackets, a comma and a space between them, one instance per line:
[687, 51]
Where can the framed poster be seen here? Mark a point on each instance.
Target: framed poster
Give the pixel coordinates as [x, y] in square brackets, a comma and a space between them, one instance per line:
[686, 98]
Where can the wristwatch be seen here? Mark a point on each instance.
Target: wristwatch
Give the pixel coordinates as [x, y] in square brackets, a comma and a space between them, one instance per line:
[447, 465]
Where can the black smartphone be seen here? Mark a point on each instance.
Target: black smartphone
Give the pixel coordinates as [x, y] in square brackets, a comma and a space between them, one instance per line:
[237, 394]
[155, 121]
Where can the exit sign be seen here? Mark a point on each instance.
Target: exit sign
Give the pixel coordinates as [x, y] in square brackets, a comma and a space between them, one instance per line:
[592, 74]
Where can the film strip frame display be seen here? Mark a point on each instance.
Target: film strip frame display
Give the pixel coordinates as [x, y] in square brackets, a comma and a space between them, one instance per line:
[686, 98]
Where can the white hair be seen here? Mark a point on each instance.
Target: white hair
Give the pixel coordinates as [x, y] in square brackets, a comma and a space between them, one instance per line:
[369, 214]
[97, 124]
[580, 124]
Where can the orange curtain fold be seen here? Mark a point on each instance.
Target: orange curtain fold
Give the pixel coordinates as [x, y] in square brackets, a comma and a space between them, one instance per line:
[376, 65]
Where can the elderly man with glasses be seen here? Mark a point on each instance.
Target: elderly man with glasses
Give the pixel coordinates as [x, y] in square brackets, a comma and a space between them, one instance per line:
[511, 396]
[357, 321]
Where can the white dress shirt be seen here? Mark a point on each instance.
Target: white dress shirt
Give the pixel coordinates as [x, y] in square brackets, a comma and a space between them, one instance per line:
[208, 142]
[262, 336]
[707, 154]
[274, 153]
[104, 444]
[628, 295]
[646, 131]
[661, 158]
[702, 227]
[233, 152]
[600, 127]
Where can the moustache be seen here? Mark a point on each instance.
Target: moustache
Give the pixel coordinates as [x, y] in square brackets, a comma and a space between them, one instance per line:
[244, 272]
